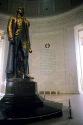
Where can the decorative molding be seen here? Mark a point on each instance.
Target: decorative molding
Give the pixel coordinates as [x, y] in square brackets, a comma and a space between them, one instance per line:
[47, 45]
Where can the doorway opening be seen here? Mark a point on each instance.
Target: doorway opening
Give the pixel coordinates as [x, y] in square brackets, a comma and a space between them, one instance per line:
[79, 55]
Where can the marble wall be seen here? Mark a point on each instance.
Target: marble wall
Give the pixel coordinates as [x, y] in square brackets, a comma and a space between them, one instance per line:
[55, 68]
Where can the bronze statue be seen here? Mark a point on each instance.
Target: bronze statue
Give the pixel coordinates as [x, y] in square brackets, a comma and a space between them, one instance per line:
[19, 45]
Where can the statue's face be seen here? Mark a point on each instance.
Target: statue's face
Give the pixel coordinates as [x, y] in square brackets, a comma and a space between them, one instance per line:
[20, 11]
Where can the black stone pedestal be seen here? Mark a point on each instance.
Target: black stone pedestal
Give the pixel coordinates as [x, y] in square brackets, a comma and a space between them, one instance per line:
[22, 103]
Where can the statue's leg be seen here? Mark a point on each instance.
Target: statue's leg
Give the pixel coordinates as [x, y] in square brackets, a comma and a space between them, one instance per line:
[16, 56]
[26, 65]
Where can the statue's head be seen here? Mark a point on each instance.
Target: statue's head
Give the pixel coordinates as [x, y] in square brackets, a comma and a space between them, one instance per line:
[20, 11]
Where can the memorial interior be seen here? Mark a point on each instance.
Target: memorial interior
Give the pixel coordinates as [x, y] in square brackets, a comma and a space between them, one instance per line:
[56, 36]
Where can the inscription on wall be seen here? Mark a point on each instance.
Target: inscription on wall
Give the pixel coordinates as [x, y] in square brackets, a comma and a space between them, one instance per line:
[48, 57]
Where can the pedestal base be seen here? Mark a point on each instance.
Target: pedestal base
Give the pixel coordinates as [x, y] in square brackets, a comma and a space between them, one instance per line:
[22, 103]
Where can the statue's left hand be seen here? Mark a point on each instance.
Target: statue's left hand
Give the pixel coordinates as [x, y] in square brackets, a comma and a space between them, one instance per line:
[30, 50]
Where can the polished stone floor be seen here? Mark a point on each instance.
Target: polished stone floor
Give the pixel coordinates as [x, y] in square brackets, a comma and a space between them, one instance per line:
[76, 107]
[76, 101]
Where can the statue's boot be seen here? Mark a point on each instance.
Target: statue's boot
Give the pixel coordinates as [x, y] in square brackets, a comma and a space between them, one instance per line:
[28, 76]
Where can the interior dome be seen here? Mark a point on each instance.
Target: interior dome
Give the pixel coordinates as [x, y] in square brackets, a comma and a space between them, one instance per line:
[38, 8]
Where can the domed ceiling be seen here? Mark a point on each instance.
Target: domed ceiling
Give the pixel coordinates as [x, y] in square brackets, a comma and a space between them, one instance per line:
[38, 8]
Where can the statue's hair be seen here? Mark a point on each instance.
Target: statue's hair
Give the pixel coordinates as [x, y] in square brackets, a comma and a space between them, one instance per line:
[20, 10]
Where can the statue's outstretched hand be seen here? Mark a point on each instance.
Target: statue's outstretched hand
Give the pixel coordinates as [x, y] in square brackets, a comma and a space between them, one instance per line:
[30, 50]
